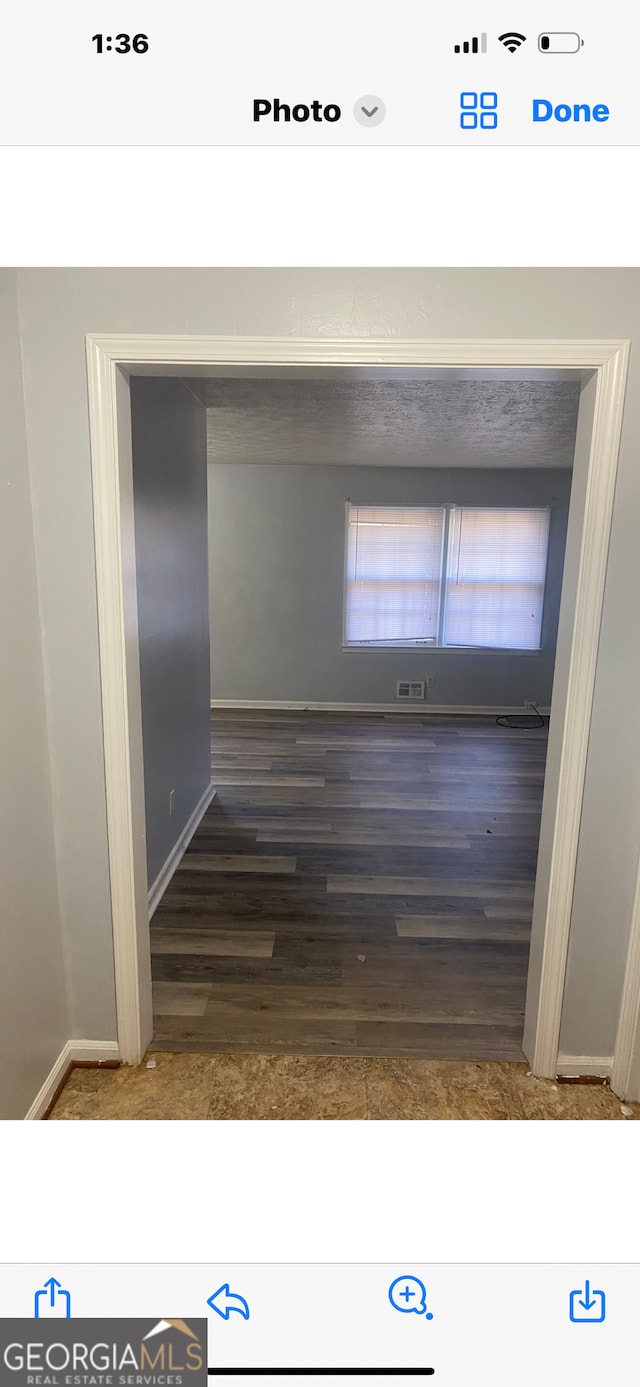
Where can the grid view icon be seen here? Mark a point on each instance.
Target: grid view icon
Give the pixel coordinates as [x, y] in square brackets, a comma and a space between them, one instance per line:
[478, 110]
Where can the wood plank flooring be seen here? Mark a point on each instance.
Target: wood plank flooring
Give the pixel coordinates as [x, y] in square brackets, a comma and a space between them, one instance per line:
[361, 885]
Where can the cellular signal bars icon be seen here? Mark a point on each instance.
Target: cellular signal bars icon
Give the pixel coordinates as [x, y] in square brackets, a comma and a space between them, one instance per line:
[474, 45]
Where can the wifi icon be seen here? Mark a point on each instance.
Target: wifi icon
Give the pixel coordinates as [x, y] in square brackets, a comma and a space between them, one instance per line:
[512, 41]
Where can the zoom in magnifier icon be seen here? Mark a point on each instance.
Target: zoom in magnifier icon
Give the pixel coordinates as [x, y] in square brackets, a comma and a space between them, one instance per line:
[409, 1295]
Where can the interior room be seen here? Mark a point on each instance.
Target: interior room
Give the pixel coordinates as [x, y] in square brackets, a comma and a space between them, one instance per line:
[385, 570]
[250, 702]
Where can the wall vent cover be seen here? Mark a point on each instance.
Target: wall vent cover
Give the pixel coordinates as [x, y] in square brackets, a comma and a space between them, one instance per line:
[410, 688]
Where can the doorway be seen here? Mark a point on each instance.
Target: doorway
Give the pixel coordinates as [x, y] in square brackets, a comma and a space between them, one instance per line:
[602, 370]
[363, 882]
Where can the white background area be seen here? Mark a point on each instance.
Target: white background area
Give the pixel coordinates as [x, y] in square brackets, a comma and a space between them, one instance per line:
[288, 207]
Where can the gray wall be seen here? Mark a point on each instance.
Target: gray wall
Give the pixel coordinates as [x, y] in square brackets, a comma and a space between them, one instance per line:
[170, 505]
[58, 307]
[33, 1017]
[277, 539]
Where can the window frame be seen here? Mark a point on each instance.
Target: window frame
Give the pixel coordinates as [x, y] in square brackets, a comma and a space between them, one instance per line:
[397, 645]
[437, 646]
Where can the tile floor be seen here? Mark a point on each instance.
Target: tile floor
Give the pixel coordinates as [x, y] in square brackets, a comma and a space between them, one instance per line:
[292, 1087]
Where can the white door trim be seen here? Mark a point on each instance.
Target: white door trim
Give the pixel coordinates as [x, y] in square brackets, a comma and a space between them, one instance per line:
[117, 612]
[625, 1074]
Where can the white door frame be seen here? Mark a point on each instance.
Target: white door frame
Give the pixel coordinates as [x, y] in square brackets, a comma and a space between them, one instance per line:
[108, 359]
[625, 1073]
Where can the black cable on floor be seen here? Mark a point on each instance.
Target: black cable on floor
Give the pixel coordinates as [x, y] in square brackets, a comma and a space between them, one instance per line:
[523, 723]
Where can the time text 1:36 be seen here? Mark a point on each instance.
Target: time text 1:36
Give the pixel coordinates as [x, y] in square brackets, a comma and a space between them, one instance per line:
[121, 43]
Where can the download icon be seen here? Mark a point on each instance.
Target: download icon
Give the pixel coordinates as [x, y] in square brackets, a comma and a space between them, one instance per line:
[587, 1306]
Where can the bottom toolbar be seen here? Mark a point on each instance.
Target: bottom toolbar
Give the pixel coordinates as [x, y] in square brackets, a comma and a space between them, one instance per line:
[110, 1326]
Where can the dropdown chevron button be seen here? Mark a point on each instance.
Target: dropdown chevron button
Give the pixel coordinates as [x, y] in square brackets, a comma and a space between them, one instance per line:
[369, 110]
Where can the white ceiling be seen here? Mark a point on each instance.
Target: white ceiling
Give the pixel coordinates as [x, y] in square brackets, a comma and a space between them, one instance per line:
[400, 423]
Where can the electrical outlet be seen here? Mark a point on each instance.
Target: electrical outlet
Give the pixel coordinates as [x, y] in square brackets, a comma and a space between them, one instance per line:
[172, 800]
[430, 680]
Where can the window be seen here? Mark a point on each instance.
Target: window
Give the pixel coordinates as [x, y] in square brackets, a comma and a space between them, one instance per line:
[495, 577]
[457, 576]
[394, 566]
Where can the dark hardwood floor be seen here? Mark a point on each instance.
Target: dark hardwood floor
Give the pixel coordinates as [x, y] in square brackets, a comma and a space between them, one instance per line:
[361, 885]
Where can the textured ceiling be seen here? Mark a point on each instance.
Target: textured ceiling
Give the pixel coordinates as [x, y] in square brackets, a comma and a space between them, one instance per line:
[462, 423]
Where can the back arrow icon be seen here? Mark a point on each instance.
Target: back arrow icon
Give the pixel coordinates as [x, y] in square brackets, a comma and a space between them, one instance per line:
[224, 1301]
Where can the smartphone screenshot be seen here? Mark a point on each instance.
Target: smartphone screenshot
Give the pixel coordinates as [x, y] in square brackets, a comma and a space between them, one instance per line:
[319, 747]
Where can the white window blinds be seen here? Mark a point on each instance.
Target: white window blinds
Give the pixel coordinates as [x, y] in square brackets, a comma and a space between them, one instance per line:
[496, 568]
[394, 563]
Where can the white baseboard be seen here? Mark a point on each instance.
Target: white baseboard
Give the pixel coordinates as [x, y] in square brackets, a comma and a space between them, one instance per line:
[573, 1066]
[401, 706]
[74, 1050]
[157, 890]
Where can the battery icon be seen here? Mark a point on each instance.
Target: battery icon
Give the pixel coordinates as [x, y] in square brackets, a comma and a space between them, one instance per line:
[560, 43]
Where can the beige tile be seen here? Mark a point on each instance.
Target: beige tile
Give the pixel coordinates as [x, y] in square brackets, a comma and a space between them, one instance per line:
[544, 1101]
[89, 1080]
[236, 862]
[447, 1090]
[288, 1087]
[441, 1090]
[297, 1087]
[217, 943]
[177, 1089]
